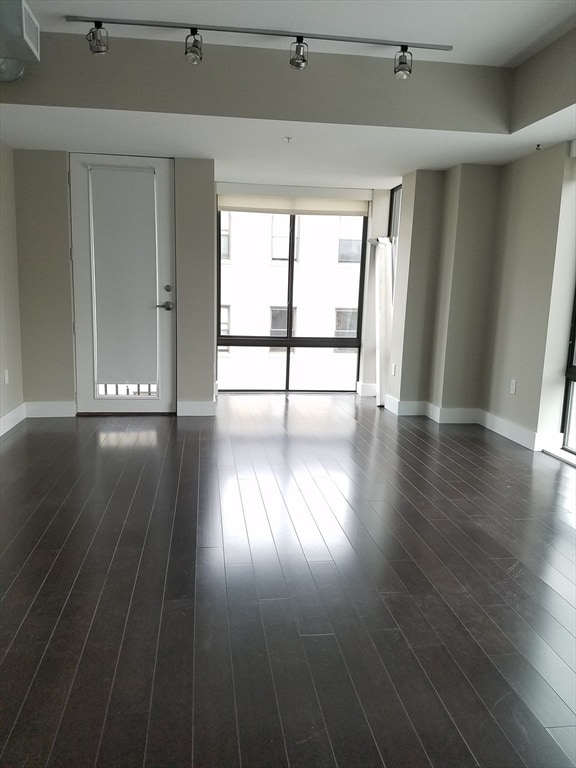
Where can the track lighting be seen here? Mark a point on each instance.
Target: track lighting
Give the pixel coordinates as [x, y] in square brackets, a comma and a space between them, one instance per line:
[98, 38]
[193, 47]
[299, 54]
[403, 63]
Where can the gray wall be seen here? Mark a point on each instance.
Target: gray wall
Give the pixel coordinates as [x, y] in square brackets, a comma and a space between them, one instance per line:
[412, 337]
[545, 83]
[44, 276]
[195, 211]
[465, 301]
[153, 76]
[11, 394]
[530, 200]
[486, 280]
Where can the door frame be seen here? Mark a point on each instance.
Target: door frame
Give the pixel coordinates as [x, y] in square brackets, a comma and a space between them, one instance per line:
[87, 400]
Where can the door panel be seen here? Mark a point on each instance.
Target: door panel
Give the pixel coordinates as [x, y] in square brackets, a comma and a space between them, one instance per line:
[123, 263]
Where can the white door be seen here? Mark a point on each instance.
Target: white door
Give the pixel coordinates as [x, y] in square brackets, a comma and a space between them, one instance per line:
[124, 290]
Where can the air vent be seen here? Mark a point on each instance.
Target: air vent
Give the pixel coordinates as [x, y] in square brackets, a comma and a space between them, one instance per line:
[19, 31]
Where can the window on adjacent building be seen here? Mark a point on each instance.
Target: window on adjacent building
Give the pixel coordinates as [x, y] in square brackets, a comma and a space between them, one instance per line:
[280, 237]
[224, 325]
[225, 235]
[346, 326]
[279, 323]
[349, 250]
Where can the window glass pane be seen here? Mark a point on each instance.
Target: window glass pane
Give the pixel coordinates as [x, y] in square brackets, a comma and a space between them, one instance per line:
[322, 281]
[253, 281]
[322, 370]
[251, 368]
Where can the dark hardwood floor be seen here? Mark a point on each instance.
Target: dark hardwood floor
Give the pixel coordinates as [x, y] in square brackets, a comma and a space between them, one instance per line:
[300, 581]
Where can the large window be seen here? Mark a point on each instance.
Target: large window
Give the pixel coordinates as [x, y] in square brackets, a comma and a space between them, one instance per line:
[282, 262]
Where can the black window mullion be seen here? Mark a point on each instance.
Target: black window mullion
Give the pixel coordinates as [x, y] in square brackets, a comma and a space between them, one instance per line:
[290, 293]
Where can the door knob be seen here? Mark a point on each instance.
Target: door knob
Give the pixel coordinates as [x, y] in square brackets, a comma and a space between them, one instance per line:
[167, 305]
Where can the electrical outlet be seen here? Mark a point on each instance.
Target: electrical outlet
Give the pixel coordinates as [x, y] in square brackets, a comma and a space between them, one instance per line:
[6, 376]
[513, 386]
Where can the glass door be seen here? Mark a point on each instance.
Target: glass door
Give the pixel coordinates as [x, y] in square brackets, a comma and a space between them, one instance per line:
[289, 295]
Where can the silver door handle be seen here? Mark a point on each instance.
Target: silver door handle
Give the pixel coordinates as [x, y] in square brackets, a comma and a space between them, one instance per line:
[167, 305]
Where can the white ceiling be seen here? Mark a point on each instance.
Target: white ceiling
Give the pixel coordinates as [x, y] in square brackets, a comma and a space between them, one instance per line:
[488, 32]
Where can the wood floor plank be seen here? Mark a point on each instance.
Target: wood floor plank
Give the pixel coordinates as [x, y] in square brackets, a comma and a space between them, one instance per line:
[440, 737]
[303, 725]
[259, 724]
[215, 727]
[351, 737]
[392, 728]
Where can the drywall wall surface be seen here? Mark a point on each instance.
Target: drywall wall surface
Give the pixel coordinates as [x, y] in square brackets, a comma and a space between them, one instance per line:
[472, 300]
[153, 76]
[11, 392]
[416, 284]
[545, 83]
[444, 288]
[195, 214]
[561, 302]
[530, 198]
[46, 311]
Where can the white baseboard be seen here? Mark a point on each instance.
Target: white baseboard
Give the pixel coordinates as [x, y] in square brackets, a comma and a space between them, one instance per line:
[454, 415]
[515, 432]
[196, 408]
[405, 407]
[50, 409]
[534, 441]
[12, 418]
[366, 389]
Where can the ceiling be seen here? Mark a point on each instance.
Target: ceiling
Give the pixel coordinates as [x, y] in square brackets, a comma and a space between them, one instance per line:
[485, 32]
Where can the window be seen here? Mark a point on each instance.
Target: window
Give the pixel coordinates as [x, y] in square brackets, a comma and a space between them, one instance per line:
[346, 327]
[224, 324]
[280, 237]
[349, 250]
[279, 324]
[225, 235]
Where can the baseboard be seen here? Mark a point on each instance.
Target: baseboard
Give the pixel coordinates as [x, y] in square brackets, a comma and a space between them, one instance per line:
[454, 415]
[366, 389]
[534, 441]
[12, 418]
[39, 410]
[196, 408]
[512, 431]
[405, 407]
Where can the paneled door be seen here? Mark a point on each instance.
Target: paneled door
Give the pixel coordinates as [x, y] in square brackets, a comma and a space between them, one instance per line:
[124, 290]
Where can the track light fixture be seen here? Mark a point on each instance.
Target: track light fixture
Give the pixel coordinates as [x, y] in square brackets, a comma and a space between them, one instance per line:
[98, 38]
[193, 47]
[403, 63]
[299, 54]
